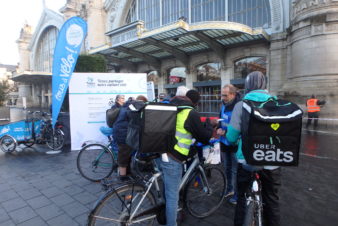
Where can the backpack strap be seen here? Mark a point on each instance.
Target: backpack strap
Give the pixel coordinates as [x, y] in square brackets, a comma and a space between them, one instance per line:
[184, 107]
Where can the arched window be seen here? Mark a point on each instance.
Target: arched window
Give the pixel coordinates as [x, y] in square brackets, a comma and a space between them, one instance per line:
[246, 65]
[176, 75]
[156, 13]
[208, 72]
[45, 50]
[131, 16]
[152, 76]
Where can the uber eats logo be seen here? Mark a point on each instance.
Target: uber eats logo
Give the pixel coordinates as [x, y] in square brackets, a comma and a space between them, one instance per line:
[269, 153]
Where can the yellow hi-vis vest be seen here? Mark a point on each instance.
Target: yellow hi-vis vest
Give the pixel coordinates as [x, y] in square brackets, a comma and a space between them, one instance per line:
[184, 138]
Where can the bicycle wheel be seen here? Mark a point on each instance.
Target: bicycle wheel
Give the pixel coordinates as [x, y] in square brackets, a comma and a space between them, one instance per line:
[253, 213]
[116, 207]
[95, 162]
[55, 141]
[202, 198]
[7, 144]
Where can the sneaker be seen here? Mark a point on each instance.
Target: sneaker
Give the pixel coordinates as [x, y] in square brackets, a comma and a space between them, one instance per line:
[228, 193]
[233, 201]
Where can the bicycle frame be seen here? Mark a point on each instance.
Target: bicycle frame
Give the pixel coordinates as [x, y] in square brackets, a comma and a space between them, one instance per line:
[194, 165]
[99, 156]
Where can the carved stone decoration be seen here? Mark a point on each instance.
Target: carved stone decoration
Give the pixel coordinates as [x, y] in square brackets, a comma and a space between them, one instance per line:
[111, 8]
[302, 6]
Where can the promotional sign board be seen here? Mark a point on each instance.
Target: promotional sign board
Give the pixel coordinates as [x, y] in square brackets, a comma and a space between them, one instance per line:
[91, 94]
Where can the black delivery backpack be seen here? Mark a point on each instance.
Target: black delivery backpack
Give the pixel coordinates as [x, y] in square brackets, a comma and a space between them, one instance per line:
[271, 132]
[158, 128]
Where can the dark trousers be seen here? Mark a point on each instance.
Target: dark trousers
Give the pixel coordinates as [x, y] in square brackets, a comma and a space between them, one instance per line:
[271, 181]
[314, 116]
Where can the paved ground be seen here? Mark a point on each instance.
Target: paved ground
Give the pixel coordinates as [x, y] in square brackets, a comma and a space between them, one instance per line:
[38, 189]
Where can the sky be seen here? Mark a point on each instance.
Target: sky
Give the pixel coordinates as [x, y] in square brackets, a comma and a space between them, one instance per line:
[13, 15]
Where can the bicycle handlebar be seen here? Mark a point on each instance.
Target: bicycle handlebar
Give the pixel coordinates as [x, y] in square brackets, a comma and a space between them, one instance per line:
[211, 142]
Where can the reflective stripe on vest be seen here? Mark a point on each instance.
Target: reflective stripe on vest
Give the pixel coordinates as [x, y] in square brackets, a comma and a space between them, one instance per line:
[312, 105]
[184, 137]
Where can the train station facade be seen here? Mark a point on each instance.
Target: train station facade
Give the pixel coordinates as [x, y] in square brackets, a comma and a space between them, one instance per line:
[202, 44]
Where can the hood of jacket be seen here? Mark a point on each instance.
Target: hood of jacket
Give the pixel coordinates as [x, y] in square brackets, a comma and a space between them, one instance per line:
[181, 101]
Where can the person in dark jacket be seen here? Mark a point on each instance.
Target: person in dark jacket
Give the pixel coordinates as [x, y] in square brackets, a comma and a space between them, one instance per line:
[120, 130]
[229, 98]
[188, 126]
[119, 101]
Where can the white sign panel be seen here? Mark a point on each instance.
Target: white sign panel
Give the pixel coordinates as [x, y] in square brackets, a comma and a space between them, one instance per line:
[91, 94]
[150, 91]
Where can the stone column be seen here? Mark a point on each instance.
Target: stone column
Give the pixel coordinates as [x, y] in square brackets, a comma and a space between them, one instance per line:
[226, 74]
[161, 82]
[96, 24]
[23, 44]
[191, 77]
[43, 91]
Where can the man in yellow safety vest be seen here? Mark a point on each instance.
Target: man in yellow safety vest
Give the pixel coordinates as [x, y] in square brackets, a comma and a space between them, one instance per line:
[188, 126]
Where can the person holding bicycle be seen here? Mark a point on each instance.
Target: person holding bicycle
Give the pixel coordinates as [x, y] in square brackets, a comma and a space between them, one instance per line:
[188, 126]
[270, 176]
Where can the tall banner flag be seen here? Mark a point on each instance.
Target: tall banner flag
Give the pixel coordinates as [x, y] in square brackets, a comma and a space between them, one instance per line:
[66, 52]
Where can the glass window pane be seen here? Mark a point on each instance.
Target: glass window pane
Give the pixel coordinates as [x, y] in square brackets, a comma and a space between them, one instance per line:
[246, 65]
[208, 72]
[254, 13]
[45, 50]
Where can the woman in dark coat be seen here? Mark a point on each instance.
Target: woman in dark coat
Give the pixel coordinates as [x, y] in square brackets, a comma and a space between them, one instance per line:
[120, 129]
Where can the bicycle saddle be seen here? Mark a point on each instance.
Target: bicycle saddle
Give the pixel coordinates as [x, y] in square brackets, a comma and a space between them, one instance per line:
[106, 131]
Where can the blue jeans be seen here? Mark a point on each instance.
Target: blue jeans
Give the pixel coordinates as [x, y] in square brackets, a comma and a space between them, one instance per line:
[172, 176]
[230, 165]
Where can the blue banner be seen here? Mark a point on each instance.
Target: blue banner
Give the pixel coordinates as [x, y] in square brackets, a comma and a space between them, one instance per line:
[66, 52]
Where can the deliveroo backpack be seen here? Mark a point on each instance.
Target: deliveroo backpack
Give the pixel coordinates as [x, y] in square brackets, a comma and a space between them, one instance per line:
[271, 132]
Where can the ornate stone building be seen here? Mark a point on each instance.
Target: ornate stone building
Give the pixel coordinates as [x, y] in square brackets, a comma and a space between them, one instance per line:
[208, 43]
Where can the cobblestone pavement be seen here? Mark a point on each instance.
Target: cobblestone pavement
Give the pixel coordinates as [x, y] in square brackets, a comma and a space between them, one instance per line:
[39, 189]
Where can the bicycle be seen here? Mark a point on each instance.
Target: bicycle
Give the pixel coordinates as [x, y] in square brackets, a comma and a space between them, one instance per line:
[53, 139]
[97, 161]
[201, 190]
[254, 204]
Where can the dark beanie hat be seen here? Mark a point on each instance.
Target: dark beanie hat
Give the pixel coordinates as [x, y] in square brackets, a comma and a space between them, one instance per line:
[255, 80]
[194, 96]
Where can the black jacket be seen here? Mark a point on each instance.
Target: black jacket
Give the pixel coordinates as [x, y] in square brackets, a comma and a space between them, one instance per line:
[120, 126]
[116, 105]
[202, 133]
